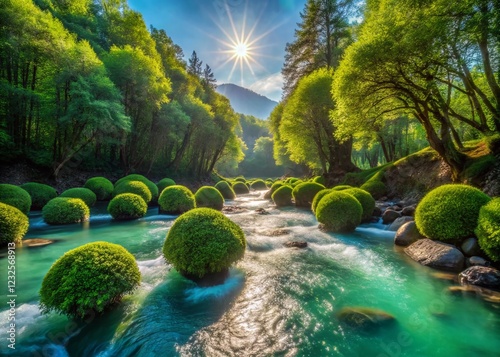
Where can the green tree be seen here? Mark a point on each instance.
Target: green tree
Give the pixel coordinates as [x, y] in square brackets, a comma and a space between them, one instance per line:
[195, 64]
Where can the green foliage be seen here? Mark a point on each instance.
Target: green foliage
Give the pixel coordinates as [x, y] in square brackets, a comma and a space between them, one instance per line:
[296, 183]
[450, 212]
[304, 193]
[137, 187]
[164, 183]
[13, 224]
[203, 241]
[15, 196]
[153, 189]
[131, 177]
[319, 179]
[341, 187]
[101, 186]
[84, 194]
[65, 210]
[318, 197]
[240, 188]
[127, 206]
[366, 200]
[240, 179]
[376, 188]
[479, 167]
[258, 185]
[488, 229]
[40, 194]
[208, 196]
[176, 199]
[90, 278]
[339, 212]
[283, 196]
[226, 190]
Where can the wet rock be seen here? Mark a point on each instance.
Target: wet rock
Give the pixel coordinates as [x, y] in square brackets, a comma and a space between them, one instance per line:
[436, 255]
[408, 211]
[486, 294]
[377, 212]
[446, 276]
[267, 195]
[481, 276]
[407, 234]
[398, 222]
[233, 209]
[390, 216]
[365, 317]
[296, 244]
[475, 260]
[276, 232]
[261, 211]
[36, 242]
[470, 247]
[210, 279]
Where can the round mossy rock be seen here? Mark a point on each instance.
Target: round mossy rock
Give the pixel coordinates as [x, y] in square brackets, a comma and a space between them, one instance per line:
[101, 186]
[210, 197]
[319, 179]
[15, 196]
[131, 177]
[136, 187]
[176, 199]
[339, 212]
[13, 224]
[341, 187]
[488, 229]
[304, 193]
[450, 212]
[258, 185]
[127, 206]
[240, 179]
[318, 198]
[164, 183]
[226, 190]
[153, 189]
[65, 210]
[203, 241]
[84, 194]
[40, 194]
[377, 189]
[283, 196]
[89, 279]
[366, 200]
[240, 188]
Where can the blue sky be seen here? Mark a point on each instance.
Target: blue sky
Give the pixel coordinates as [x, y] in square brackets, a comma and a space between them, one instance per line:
[206, 27]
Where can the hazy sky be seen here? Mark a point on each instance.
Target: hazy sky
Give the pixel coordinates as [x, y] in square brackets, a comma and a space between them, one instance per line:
[206, 26]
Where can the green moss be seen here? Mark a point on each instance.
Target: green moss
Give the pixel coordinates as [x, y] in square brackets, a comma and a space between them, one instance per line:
[203, 241]
[101, 186]
[319, 179]
[40, 194]
[131, 177]
[240, 179]
[296, 183]
[258, 185]
[89, 279]
[136, 187]
[65, 210]
[450, 212]
[16, 197]
[13, 224]
[283, 196]
[488, 229]
[176, 199]
[164, 183]
[240, 188]
[209, 197]
[318, 198]
[339, 212]
[304, 193]
[127, 206]
[478, 167]
[153, 189]
[341, 187]
[377, 189]
[366, 200]
[226, 190]
[84, 194]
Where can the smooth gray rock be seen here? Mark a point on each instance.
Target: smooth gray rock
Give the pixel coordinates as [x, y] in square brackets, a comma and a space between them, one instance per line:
[407, 234]
[470, 247]
[408, 211]
[475, 260]
[480, 276]
[398, 222]
[436, 255]
[390, 216]
[365, 317]
[296, 244]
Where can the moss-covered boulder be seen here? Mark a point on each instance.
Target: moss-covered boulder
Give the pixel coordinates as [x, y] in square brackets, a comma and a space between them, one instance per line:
[101, 186]
[319, 179]
[341, 187]
[366, 200]
[240, 179]
[13, 224]
[65, 210]
[127, 206]
[318, 198]
[339, 212]
[15, 196]
[210, 197]
[164, 183]
[136, 187]
[240, 188]
[226, 190]
[304, 193]
[450, 212]
[132, 177]
[40, 194]
[258, 185]
[89, 279]
[283, 196]
[153, 189]
[273, 189]
[377, 189]
[176, 199]
[84, 194]
[203, 241]
[488, 229]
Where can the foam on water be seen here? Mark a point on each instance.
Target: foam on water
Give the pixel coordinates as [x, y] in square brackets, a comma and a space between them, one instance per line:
[198, 294]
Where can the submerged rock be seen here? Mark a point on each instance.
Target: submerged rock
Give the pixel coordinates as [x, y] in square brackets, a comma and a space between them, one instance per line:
[365, 317]
[296, 244]
[276, 232]
[436, 255]
[399, 222]
[390, 216]
[481, 276]
[407, 234]
[36, 242]
[261, 211]
[233, 209]
[446, 276]
[470, 247]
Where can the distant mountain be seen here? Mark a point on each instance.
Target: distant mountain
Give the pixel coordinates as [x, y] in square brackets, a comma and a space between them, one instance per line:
[246, 101]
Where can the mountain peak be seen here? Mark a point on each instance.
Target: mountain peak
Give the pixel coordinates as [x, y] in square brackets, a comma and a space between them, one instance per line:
[246, 101]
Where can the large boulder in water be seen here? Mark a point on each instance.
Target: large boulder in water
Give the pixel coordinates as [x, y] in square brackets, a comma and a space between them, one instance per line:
[390, 216]
[470, 247]
[481, 276]
[364, 317]
[436, 255]
[407, 234]
[399, 222]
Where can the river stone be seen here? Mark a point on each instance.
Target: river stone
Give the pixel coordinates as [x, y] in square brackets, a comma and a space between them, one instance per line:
[377, 212]
[296, 244]
[398, 223]
[364, 317]
[267, 195]
[36, 242]
[408, 211]
[475, 260]
[407, 234]
[481, 276]
[470, 247]
[390, 216]
[436, 255]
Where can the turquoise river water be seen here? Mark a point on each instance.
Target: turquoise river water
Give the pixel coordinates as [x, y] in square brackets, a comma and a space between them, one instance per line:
[276, 302]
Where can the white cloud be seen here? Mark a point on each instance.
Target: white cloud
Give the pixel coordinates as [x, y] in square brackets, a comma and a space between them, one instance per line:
[269, 86]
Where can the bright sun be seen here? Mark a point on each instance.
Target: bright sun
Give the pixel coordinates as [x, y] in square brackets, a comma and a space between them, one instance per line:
[241, 50]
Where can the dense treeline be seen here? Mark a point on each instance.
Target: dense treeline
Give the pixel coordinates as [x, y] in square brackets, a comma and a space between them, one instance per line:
[84, 83]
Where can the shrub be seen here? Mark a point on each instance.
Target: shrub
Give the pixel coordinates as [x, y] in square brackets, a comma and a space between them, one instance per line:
[210, 197]
[203, 241]
[341, 187]
[164, 183]
[131, 177]
[366, 200]
[273, 189]
[16, 197]
[137, 187]
[318, 198]
[240, 188]
[450, 212]
[84, 194]
[258, 185]
[153, 189]
[127, 206]
[89, 278]
[319, 179]
[283, 196]
[226, 190]
[101, 186]
[176, 199]
[304, 193]
[13, 224]
[376, 188]
[339, 212]
[65, 210]
[40, 194]
[488, 229]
